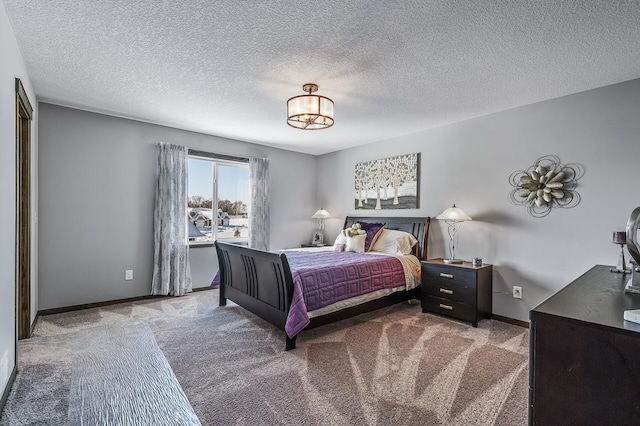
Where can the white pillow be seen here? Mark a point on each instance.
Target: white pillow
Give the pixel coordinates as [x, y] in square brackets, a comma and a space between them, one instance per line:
[341, 240]
[356, 244]
[392, 241]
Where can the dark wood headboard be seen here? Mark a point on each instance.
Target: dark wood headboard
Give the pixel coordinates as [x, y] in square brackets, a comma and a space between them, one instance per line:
[417, 226]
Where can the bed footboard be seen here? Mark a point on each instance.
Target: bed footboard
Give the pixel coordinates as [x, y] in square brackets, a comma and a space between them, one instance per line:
[258, 280]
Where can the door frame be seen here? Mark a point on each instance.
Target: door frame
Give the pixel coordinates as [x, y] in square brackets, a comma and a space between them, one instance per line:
[24, 115]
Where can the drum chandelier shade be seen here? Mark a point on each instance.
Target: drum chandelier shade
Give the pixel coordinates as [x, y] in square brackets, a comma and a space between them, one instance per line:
[310, 112]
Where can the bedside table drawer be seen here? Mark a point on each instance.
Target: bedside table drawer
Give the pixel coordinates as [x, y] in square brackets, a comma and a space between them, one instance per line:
[438, 305]
[457, 285]
[446, 275]
[452, 290]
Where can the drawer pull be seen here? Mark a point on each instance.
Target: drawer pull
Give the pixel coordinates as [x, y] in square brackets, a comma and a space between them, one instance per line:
[450, 276]
[447, 307]
[446, 291]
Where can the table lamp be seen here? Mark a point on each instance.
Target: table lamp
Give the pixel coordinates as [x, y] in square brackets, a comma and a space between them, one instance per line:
[321, 215]
[620, 237]
[453, 216]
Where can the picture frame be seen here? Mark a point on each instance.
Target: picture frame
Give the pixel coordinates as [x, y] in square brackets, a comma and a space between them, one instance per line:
[388, 183]
[317, 239]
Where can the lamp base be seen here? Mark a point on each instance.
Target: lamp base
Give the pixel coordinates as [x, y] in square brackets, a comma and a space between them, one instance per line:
[621, 271]
[621, 268]
[454, 261]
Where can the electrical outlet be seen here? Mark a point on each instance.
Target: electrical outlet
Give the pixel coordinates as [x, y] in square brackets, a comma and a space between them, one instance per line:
[128, 275]
[517, 292]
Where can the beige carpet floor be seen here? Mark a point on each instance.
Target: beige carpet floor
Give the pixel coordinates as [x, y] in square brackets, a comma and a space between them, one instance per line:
[394, 366]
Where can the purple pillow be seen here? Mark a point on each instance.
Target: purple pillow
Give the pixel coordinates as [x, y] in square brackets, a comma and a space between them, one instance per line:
[373, 230]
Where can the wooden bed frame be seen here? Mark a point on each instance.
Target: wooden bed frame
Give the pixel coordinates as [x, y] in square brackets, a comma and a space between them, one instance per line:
[261, 281]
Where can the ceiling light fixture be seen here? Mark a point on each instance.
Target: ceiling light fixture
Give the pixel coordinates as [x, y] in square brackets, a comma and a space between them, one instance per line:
[310, 112]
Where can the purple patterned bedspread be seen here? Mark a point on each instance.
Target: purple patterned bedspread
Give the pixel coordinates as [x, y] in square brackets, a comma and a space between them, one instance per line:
[325, 277]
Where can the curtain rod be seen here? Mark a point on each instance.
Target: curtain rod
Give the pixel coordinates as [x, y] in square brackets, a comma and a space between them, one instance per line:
[218, 156]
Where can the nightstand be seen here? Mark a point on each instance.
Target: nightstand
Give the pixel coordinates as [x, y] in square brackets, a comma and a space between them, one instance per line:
[457, 290]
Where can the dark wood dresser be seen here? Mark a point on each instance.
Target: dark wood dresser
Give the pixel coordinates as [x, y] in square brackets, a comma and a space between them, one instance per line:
[584, 359]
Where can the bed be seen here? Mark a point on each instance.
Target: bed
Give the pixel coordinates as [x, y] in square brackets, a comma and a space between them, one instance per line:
[297, 290]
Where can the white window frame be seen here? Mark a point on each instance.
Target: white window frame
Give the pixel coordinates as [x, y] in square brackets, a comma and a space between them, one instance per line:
[216, 160]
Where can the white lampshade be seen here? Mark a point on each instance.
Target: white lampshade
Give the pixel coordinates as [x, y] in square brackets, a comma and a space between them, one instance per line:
[321, 214]
[310, 112]
[454, 214]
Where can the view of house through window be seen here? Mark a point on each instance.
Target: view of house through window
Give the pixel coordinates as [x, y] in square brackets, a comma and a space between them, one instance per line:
[219, 200]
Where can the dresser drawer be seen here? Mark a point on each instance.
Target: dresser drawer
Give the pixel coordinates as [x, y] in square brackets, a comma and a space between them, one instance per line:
[459, 310]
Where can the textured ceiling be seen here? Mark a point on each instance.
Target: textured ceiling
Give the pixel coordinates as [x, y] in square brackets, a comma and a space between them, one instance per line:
[227, 67]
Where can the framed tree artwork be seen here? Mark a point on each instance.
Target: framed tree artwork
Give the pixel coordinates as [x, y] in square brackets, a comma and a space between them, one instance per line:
[388, 183]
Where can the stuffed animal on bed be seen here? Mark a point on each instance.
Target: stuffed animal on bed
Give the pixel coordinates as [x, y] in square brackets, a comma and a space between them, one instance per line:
[351, 239]
[355, 229]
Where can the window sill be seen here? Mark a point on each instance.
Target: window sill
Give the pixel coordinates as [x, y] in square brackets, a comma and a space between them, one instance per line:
[199, 245]
[240, 242]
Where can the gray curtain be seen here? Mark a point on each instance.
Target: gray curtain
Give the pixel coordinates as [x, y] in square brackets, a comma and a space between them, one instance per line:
[171, 270]
[259, 215]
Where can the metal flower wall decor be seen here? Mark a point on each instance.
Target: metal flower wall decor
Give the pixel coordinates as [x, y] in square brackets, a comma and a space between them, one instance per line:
[545, 184]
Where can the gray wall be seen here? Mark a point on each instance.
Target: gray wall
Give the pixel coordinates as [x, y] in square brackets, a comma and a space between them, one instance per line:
[13, 66]
[468, 163]
[97, 182]
[97, 186]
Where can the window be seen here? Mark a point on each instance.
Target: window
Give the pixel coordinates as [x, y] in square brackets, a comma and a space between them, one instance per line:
[218, 206]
